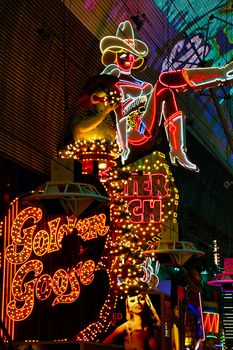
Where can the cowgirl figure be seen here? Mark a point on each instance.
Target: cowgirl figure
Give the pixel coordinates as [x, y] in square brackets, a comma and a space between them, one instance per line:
[142, 107]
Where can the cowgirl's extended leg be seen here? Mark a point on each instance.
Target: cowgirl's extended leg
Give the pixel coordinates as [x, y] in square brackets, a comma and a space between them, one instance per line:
[197, 78]
[174, 127]
[185, 79]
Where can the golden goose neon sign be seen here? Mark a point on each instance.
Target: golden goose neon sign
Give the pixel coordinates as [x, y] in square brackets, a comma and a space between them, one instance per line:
[65, 285]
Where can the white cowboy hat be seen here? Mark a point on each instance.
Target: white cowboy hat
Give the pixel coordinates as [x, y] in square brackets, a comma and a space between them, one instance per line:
[125, 40]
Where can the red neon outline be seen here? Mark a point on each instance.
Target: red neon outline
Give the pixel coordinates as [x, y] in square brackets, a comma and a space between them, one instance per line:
[144, 138]
[200, 78]
[171, 85]
[173, 116]
[159, 201]
[173, 132]
[134, 209]
[186, 77]
[173, 129]
[211, 322]
[135, 194]
[142, 207]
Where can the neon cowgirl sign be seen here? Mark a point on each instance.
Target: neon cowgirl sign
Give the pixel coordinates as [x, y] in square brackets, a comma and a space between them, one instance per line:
[27, 244]
[144, 194]
[138, 105]
[143, 105]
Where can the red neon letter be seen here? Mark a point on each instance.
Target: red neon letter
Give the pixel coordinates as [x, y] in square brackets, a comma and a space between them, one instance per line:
[159, 185]
[135, 210]
[211, 322]
[152, 210]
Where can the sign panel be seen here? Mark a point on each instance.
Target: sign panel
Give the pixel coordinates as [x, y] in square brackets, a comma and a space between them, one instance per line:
[47, 284]
[152, 198]
[150, 310]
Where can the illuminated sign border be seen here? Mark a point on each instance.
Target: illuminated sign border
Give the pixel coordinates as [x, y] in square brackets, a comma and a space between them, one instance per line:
[19, 246]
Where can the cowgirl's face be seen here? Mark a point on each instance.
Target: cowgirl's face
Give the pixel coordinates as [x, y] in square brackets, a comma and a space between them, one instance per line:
[137, 303]
[125, 61]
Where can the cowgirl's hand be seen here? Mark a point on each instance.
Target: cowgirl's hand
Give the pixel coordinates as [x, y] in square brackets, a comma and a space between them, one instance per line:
[99, 96]
[108, 98]
[124, 154]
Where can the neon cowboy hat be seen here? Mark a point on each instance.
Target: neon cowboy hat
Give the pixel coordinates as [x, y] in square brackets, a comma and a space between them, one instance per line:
[124, 40]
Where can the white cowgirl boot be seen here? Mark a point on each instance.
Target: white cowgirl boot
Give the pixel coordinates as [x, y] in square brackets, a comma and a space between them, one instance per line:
[175, 131]
[199, 78]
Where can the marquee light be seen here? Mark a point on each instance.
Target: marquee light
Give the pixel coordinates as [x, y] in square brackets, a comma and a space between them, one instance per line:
[90, 228]
[147, 185]
[149, 198]
[25, 241]
[88, 151]
[143, 197]
[23, 292]
[44, 287]
[143, 211]
[144, 194]
[65, 285]
[139, 128]
[61, 282]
